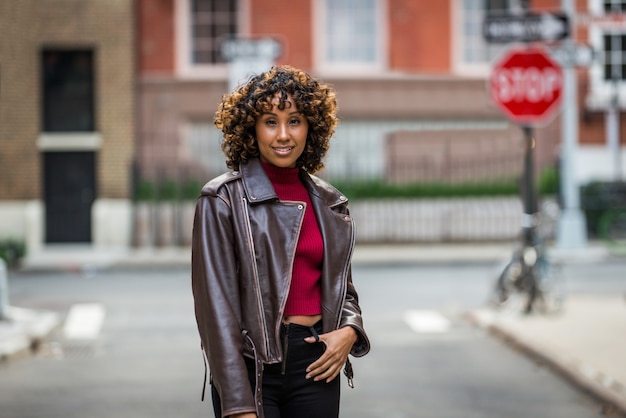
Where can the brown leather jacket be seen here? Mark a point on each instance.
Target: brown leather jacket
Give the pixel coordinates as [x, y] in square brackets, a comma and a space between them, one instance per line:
[244, 241]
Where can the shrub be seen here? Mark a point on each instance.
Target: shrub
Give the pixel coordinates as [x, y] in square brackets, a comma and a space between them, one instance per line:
[600, 197]
[12, 251]
[145, 191]
[379, 189]
[168, 191]
[548, 183]
[191, 190]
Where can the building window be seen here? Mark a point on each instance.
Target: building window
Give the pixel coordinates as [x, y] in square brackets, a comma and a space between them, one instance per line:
[474, 54]
[211, 22]
[353, 35]
[68, 90]
[613, 44]
[201, 26]
[608, 72]
[614, 56]
[614, 6]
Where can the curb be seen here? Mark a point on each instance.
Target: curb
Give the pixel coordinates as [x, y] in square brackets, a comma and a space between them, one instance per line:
[89, 259]
[584, 377]
[24, 331]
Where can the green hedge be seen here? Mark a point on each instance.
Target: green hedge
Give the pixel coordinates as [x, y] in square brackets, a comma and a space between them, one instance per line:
[168, 190]
[12, 251]
[598, 198]
[548, 183]
[380, 189]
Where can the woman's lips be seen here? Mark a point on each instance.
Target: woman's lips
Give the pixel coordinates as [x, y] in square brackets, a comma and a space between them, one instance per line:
[282, 150]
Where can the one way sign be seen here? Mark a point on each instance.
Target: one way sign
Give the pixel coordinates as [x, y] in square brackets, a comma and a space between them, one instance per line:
[529, 27]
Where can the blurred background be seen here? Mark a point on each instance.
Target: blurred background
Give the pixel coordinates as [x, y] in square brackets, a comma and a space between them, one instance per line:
[107, 108]
[107, 136]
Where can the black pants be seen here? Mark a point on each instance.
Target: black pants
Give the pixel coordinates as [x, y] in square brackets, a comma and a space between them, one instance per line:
[286, 391]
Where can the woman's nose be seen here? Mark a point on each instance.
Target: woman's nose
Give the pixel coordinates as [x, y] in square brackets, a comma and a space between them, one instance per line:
[282, 131]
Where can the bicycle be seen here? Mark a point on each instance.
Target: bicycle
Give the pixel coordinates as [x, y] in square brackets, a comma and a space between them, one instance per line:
[530, 281]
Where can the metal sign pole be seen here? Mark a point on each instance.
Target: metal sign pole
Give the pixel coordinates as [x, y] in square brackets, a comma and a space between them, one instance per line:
[529, 195]
[572, 229]
[612, 117]
[4, 291]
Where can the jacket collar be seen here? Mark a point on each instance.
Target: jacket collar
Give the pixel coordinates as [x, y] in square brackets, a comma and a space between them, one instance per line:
[259, 188]
[256, 183]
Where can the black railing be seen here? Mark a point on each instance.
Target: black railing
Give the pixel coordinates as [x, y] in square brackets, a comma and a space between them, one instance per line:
[167, 182]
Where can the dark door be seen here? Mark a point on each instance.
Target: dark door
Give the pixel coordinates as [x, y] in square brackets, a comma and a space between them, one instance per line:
[70, 190]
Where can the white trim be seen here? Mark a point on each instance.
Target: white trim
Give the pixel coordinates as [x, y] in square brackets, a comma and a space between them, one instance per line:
[69, 141]
[459, 66]
[182, 34]
[23, 219]
[459, 41]
[112, 223]
[244, 17]
[595, 7]
[596, 163]
[601, 90]
[326, 69]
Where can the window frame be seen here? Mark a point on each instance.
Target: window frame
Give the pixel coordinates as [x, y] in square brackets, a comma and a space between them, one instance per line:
[459, 65]
[320, 41]
[602, 91]
[185, 67]
[91, 94]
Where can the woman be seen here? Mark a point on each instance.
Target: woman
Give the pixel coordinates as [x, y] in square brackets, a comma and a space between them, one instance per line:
[275, 305]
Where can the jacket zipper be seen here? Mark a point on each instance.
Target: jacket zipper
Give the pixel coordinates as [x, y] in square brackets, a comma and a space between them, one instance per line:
[283, 367]
[344, 275]
[256, 275]
[282, 308]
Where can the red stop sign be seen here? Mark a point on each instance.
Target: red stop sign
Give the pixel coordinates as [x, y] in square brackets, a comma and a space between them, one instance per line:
[526, 84]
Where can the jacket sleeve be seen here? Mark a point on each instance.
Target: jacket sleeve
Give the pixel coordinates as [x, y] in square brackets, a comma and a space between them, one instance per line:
[351, 316]
[215, 287]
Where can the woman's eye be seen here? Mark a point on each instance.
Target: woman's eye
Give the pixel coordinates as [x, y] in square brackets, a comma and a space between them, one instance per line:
[295, 121]
[270, 122]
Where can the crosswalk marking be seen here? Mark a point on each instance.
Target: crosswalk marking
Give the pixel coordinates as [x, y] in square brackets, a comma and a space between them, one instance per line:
[84, 321]
[424, 321]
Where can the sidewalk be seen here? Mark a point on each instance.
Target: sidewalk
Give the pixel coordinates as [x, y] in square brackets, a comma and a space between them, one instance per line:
[24, 330]
[585, 342]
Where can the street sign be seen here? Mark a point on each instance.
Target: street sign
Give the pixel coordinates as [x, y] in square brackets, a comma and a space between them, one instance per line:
[573, 55]
[526, 84]
[250, 48]
[528, 27]
[248, 56]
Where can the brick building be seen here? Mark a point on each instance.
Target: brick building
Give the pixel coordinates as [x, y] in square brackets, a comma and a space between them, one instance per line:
[67, 120]
[406, 71]
[410, 76]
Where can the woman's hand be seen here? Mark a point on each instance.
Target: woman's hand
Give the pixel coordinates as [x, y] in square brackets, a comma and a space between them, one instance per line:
[338, 345]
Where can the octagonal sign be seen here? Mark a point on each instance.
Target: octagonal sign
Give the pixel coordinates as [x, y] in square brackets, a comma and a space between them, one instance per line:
[526, 84]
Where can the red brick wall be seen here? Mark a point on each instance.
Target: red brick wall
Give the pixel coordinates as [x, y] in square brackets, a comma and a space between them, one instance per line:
[591, 123]
[419, 36]
[292, 25]
[156, 36]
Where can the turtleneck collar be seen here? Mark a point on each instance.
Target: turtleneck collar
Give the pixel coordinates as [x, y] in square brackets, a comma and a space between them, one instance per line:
[281, 175]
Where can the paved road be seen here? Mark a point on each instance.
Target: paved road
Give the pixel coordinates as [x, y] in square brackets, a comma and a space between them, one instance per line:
[145, 361]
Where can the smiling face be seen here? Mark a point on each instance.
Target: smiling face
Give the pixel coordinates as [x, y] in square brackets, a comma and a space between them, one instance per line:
[281, 134]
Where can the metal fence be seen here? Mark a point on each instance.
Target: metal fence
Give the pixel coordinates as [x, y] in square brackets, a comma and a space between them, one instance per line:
[171, 169]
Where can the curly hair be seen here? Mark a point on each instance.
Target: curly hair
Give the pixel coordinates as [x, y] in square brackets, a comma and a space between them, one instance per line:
[237, 114]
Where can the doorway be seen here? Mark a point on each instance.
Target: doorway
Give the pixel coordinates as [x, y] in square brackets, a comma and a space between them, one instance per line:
[69, 192]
